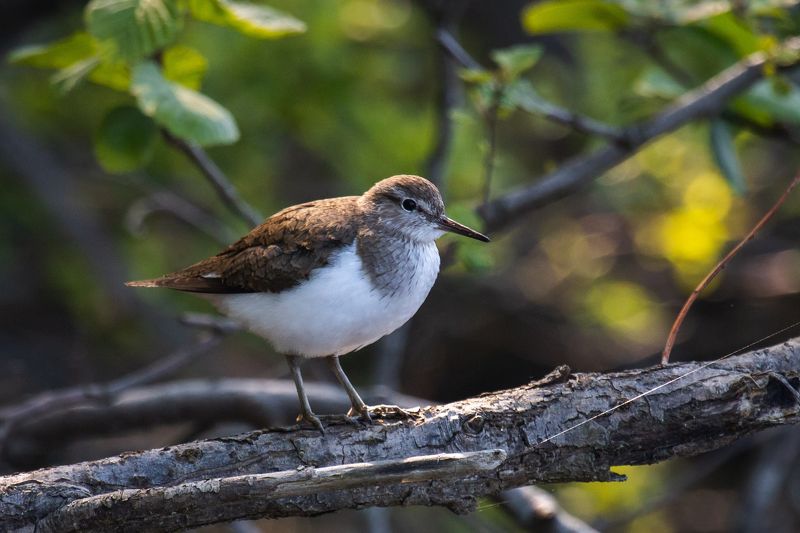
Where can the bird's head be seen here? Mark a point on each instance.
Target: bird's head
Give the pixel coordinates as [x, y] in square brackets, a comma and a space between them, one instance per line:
[412, 206]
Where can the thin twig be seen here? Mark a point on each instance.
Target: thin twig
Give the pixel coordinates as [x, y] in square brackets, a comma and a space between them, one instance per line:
[168, 202]
[673, 332]
[448, 96]
[490, 119]
[548, 110]
[225, 189]
[216, 323]
[454, 48]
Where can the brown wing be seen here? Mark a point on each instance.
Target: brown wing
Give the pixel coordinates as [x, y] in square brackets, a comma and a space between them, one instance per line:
[277, 255]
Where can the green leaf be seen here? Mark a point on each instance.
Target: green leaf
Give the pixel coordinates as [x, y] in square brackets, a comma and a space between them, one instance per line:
[135, 28]
[768, 102]
[125, 140]
[734, 31]
[552, 16]
[184, 65]
[77, 57]
[184, 113]
[113, 74]
[522, 95]
[69, 77]
[655, 82]
[56, 55]
[253, 20]
[475, 75]
[725, 156]
[515, 60]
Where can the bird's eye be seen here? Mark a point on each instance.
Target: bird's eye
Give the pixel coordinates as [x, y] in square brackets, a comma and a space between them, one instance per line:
[409, 204]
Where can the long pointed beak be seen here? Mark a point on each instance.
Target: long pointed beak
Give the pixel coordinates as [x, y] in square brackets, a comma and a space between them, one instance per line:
[448, 224]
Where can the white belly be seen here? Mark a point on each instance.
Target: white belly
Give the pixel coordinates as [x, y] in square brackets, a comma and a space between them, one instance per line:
[337, 310]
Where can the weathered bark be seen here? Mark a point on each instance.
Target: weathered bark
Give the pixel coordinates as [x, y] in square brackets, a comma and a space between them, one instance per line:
[708, 409]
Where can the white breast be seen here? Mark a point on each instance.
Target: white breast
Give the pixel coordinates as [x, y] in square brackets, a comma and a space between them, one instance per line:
[337, 310]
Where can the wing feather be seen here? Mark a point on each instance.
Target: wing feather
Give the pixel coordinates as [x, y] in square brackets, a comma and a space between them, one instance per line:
[275, 256]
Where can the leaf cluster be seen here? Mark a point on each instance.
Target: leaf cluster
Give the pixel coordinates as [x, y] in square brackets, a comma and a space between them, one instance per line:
[131, 46]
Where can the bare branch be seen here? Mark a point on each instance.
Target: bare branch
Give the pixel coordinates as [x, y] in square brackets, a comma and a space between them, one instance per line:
[139, 509]
[535, 509]
[548, 110]
[179, 207]
[55, 403]
[715, 406]
[707, 100]
[448, 96]
[225, 189]
[456, 51]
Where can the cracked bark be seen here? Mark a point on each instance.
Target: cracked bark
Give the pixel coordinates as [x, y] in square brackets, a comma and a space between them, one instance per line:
[709, 409]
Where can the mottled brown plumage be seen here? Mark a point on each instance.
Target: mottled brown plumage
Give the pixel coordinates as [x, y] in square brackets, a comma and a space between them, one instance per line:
[277, 255]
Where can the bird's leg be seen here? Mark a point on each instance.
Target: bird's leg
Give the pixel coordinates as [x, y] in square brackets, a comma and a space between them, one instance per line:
[358, 405]
[305, 408]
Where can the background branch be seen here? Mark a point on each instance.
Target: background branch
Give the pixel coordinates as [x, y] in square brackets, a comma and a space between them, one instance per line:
[165, 201]
[714, 407]
[54, 403]
[707, 100]
[548, 110]
[448, 95]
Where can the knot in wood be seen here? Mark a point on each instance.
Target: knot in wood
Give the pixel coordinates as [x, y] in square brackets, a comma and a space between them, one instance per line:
[474, 424]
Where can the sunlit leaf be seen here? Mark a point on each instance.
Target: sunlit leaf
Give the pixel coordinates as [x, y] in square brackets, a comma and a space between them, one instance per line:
[183, 112]
[254, 20]
[724, 152]
[184, 65]
[77, 57]
[56, 55]
[136, 28]
[515, 60]
[475, 75]
[113, 74]
[125, 140]
[69, 77]
[552, 16]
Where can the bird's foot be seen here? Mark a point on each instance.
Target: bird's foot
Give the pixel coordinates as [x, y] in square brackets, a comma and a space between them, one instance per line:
[361, 413]
[394, 412]
[312, 419]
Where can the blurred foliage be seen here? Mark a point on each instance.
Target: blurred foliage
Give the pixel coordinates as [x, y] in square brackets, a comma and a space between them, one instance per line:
[347, 98]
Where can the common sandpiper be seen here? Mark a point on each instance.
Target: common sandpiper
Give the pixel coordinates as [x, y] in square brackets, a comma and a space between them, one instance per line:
[328, 277]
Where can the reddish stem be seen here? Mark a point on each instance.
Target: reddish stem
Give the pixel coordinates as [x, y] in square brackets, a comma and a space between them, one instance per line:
[673, 333]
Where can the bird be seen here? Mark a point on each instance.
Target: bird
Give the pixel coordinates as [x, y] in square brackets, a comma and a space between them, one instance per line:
[328, 277]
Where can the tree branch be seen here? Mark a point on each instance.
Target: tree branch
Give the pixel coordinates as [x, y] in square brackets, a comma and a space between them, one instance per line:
[713, 407]
[53, 404]
[448, 96]
[707, 100]
[134, 509]
[168, 202]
